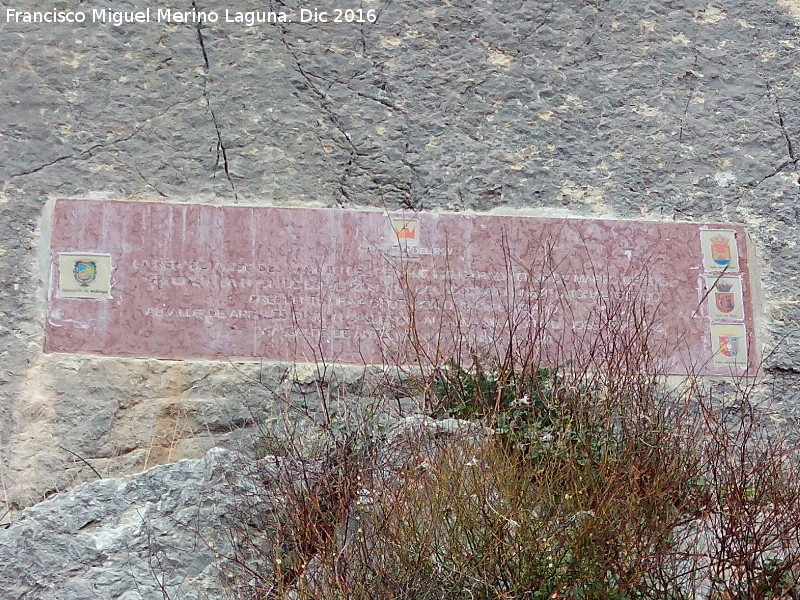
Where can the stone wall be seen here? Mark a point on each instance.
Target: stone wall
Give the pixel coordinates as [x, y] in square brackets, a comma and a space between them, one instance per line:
[654, 109]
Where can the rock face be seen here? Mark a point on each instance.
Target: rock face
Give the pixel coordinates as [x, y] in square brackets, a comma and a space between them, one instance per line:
[674, 110]
[181, 530]
[156, 535]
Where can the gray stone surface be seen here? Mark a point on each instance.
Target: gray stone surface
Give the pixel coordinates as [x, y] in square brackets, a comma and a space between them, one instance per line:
[655, 108]
[164, 533]
[189, 530]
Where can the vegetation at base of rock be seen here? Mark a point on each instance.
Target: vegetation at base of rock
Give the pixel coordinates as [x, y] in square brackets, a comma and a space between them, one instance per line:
[585, 476]
[532, 482]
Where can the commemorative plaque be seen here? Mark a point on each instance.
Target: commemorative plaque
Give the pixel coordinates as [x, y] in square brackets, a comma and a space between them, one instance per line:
[181, 281]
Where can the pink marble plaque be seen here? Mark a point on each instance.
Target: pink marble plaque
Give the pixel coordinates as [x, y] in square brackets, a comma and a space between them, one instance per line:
[370, 287]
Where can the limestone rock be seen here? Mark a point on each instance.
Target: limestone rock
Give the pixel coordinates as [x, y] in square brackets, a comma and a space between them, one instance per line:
[674, 110]
[164, 531]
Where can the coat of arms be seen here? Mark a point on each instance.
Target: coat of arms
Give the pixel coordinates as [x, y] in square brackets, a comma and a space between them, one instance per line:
[724, 298]
[406, 230]
[84, 272]
[729, 345]
[721, 251]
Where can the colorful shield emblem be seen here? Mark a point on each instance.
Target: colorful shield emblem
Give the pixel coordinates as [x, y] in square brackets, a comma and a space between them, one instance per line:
[720, 251]
[84, 272]
[729, 345]
[725, 302]
[405, 229]
[724, 298]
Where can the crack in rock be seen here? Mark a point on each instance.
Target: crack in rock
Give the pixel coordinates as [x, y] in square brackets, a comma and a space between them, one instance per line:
[779, 112]
[793, 161]
[222, 151]
[99, 146]
[334, 118]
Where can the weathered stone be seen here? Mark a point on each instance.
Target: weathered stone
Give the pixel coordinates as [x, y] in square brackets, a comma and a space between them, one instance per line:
[672, 110]
[162, 533]
[182, 530]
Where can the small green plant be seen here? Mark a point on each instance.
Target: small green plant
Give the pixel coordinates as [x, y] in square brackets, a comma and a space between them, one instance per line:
[516, 405]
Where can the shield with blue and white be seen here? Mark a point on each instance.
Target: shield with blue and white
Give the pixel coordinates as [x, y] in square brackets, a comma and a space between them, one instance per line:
[84, 272]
